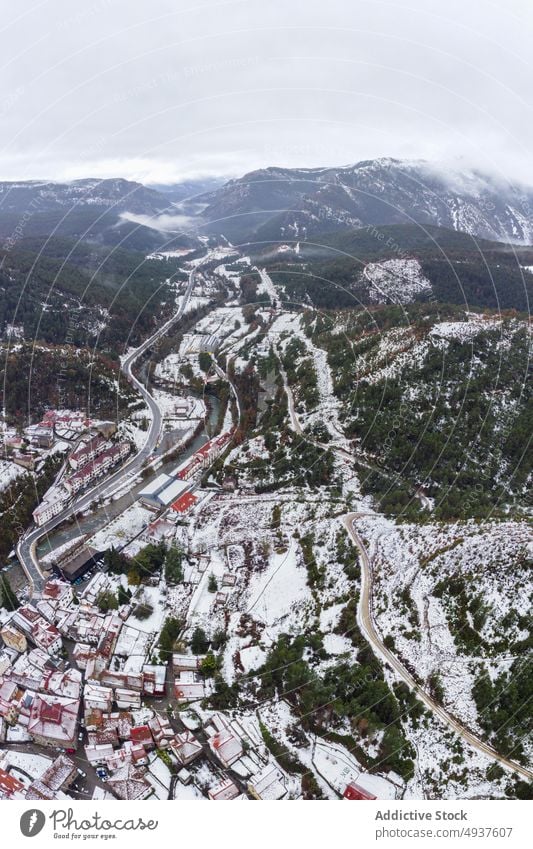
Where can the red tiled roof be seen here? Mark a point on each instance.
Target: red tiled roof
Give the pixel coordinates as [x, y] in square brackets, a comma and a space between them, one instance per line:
[9, 784]
[141, 734]
[182, 504]
[354, 791]
[50, 712]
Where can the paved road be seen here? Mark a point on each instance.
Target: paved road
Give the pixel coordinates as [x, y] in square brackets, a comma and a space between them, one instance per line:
[27, 545]
[365, 621]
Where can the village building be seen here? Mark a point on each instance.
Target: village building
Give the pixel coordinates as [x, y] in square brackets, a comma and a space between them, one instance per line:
[129, 783]
[188, 691]
[159, 531]
[53, 503]
[269, 784]
[154, 680]
[100, 698]
[142, 735]
[53, 720]
[87, 450]
[354, 792]
[14, 638]
[162, 731]
[148, 494]
[37, 629]
[127, 698]
[224, 791]
[185, 663]
[11, 787]
[78, 565]
[186, 747]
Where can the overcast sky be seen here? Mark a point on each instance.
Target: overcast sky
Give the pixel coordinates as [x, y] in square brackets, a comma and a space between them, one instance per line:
[161, 90]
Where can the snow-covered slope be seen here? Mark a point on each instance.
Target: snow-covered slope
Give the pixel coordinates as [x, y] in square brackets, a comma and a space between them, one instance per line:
[299, 202]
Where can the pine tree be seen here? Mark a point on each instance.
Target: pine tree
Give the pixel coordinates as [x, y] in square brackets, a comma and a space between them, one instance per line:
[9, 597]
[123, 596]
[199, 642]
[173, 566]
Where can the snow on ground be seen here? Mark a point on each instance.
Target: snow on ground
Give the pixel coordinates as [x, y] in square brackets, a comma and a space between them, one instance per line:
[396, 350]
[398, 280]
[278, 718]
[154, 597]
[445, 768]
[267, 286]
[132, 432]
[171, 408]
[169, 368]
[122, 528]
[8, 473]
[276, 594]
[410, 560]
[336, 765]
[464, 331]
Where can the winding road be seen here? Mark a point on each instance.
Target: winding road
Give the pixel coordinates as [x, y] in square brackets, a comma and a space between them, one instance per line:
[27, 545]
[365, 620]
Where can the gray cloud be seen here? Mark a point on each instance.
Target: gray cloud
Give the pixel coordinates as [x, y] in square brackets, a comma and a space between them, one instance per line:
[174, 89]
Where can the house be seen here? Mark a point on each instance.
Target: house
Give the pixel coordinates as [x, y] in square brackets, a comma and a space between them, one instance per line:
[159, 531]
[162, 731]
[29, 669]
[11, 787]
[40, 437]
[96, 696]
[129, 783]
[356, 792]
[103, 736]
[13, 638]
[142, 735]
[5, 662]
[82, 653]
[57, 591]
[269, 784]
[98, 753]
[229, 580]
[185, 662]
[127, 698]
[224, 791]
[154, 680]
[97, 467]
[53, 720]
[39, 792]
[226, 746]
[62, 683]
[189, 691]
[186, 747]
[184, 776]
[88, 450]
[42, 633]
[122, 680]
[60, 775]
